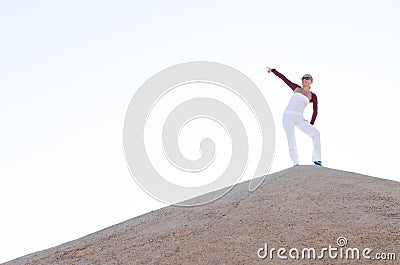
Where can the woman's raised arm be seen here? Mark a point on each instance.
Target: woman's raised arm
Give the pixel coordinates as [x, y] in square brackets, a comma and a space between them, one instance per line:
[292, 85]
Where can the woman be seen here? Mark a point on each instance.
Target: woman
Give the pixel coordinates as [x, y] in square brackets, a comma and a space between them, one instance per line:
[293, 116]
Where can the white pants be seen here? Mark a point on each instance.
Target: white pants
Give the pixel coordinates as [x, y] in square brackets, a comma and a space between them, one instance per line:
[292, 119]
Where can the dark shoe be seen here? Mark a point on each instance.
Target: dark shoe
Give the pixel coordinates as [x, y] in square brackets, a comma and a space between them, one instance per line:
[318, 163]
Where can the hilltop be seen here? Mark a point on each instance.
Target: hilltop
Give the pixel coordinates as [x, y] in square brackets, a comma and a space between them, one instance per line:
[299, 207]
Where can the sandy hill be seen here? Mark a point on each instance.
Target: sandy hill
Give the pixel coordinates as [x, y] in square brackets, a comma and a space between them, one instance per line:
[299, 208]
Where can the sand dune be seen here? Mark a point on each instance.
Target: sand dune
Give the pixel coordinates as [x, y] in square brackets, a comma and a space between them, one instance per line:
[300, 207]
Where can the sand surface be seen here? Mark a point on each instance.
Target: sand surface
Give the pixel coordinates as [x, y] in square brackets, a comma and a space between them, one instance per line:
[300, 207]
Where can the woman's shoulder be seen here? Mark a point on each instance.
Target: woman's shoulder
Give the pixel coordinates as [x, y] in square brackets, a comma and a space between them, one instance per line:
[313, 97]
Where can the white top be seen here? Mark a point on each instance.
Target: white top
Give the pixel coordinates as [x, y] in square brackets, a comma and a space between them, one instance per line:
[298, 102]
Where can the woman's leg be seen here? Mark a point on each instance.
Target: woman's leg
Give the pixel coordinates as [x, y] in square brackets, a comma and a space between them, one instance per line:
[288, 125]
[310, 130]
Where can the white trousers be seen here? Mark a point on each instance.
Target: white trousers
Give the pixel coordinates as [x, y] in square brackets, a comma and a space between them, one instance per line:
[292, 119]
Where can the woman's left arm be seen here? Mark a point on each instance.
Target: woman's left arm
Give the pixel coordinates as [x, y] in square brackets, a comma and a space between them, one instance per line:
[314, 100]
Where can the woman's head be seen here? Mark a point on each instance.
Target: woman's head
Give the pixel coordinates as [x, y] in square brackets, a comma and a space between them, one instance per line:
[307, 80]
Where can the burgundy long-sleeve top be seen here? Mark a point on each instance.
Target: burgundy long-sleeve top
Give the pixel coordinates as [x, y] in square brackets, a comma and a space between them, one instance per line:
[293, 86]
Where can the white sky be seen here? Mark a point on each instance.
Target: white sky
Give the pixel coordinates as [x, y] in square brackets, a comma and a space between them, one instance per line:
[68, 70]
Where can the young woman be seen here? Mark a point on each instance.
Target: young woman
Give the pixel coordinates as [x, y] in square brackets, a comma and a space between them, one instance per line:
[293, 116]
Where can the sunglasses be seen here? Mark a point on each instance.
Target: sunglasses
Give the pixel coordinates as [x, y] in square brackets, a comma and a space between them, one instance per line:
[306, 78]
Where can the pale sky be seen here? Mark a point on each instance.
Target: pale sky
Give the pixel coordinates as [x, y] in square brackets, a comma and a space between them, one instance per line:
[68, 70]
